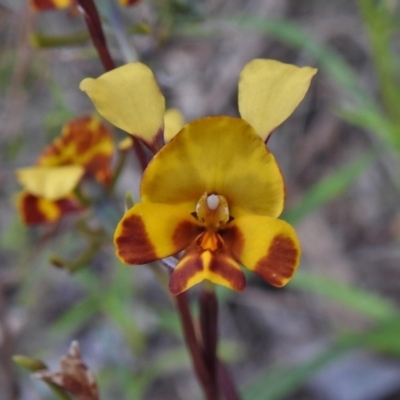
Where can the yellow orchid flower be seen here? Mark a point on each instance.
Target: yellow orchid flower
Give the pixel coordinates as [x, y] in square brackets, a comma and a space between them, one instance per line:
[84, 148]
[214, 190]
[85, 142]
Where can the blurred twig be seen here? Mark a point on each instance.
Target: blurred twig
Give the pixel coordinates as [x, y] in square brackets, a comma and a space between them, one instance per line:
[7, 374]
[93, 23]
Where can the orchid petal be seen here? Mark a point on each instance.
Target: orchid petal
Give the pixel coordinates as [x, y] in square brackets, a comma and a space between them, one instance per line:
[130, 99]
[269, 91]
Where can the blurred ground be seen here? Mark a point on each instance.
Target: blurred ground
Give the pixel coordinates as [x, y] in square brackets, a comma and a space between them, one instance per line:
[351, 239]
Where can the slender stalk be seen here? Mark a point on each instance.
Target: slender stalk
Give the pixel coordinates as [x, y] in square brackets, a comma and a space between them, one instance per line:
[120, 166]
[92, 19]
[8, 377]
[219, 374]
[93, 23]
[194, 348]
[225, 383]
[378, 22]
[140, 154]
[209, 331]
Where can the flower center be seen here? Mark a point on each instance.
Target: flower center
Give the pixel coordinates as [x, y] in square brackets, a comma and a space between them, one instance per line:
[212, 211]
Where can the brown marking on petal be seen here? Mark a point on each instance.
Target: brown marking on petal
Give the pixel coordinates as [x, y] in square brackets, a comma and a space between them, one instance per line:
[41, 5]
[279, 264]
[221, 264]
[87, 133]
[191, 264]
[54, 153]
[99, 167]
[99, 162]
[133, 243]
[29, 210]
[129, 2]
[32, 214]
[77, 145]
[184, 234]
[233, 240]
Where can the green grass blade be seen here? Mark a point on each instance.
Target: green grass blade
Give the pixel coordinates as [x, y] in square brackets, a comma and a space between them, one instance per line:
[276, 383]
[328, 188]
[74, 318]
[357, 299]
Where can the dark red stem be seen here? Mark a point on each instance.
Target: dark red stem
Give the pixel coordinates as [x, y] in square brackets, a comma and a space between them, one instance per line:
[139, 150]
[219, 374]
[194, 348]
[209, 332]
[93, 23]
[225, 383]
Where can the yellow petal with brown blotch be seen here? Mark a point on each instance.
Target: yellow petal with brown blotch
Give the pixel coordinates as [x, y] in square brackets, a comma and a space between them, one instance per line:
[42, 5]
[267, 246]
[149, 232]
[128, 2]
[130, 99]
[173, 123]
[35, 210]
[269, 91]
[219, 155]
[198, 264]
[84, 141]
[51, 183]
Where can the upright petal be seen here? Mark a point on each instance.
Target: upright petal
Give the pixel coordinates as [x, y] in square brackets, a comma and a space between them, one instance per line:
[173, 123]
[51, 183]
[150, 232]
[269, 91]
[197, 265]
[220, 155]
[129, 98]
[267, 246]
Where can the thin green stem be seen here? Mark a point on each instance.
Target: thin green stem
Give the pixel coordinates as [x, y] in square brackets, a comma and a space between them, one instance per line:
[83, 199]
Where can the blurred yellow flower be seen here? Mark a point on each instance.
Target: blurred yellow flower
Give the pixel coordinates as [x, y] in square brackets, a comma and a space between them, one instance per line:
[84, 148]
[214, 190]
